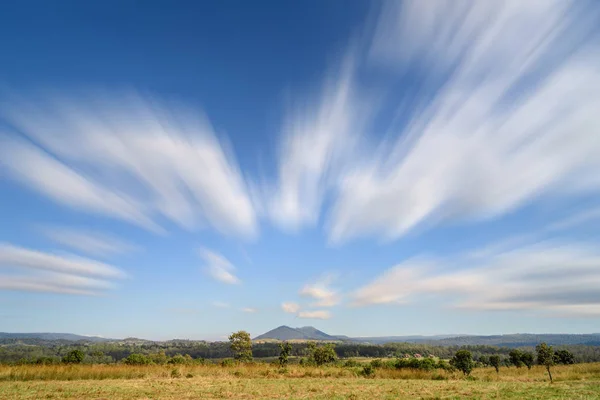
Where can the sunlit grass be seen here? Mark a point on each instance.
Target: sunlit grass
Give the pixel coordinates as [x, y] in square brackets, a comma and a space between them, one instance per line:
[258, 381]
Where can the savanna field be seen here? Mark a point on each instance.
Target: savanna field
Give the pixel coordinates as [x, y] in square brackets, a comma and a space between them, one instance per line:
[265, 381]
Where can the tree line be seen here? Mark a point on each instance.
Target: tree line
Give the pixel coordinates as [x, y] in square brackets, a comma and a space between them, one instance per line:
[37, 351]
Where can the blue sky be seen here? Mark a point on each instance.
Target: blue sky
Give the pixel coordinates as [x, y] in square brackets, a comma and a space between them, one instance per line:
[188, 169]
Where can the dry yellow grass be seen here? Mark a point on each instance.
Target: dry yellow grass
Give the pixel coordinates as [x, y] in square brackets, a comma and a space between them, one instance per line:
[261, 381]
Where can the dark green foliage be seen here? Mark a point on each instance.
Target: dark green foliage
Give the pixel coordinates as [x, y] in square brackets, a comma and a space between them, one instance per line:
[286, 349]
[46, 361]
[527, 359]
[323, 354]
[367, 371]
[351, 363]
[377, 363]
[228, 362]
[74, 357]
[463, 361]
[545, 356]
[137, 359]
[241, 345]
[180, 359]
[495, 362]
[563, 357]
[515, 358]
[28, 351]
[427, 364]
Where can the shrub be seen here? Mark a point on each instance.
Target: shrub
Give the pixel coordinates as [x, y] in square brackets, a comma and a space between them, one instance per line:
[351, 363]
[73, 357]
[228, 362]
[137, 359]
[368, 371]
[377, 363]
[564, 357]
[179, 359]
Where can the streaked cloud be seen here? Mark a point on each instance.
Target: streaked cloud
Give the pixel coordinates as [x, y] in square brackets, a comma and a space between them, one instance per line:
[218, 267]
[87, 241]
[321, 291]
[317, 137]
[549, 277]
[37, 271]
[26, 258]
[291, 308]
[128, 157]
[249, 310]
[316, 314]
[506, 115]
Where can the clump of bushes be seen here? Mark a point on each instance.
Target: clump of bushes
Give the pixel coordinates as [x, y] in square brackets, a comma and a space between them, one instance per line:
[137, 359]
[368, 371]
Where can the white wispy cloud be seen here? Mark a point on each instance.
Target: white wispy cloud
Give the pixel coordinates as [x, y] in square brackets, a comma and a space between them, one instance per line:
[316, 314]
[218, 267]
[37, 271]
[220, 304]
[87, 241]
[249, 310]
[507, 115]
[549, 277]
[290, 308]
[128, 157]
[16, 256]
[316, 139]
[322, 292]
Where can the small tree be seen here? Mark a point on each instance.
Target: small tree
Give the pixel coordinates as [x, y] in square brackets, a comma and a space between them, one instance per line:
[545, 356]
[324, 354]
[495, 362]
[73, 357]
[564, 357]
[527, 359]
[515, 358]
[463, 361]
[241, 345]
[285, 348]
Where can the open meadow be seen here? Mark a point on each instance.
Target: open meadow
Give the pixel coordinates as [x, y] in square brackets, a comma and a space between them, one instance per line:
[264, 381]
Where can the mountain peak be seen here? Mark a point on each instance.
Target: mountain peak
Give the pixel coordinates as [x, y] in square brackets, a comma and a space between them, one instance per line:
[285, 332]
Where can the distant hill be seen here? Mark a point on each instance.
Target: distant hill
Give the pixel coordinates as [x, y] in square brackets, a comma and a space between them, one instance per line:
[52, 336]
[522, 340]
[286, 333]
[512, 340]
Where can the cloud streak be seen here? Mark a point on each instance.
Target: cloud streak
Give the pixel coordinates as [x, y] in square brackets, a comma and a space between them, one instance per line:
[218, 267]
[290, 308]
[548, 277]
[508, 116]
[128, 157]
[321, 291]
[87, 241]
[316, 314]
[37, 271]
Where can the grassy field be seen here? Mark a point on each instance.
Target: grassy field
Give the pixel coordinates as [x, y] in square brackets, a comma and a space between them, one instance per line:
[268, 382]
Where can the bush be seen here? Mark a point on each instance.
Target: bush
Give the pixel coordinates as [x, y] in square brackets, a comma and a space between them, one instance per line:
[377, 363]
[179, 359]
[73, 357]
[368, 371]
[351, 363]
[175, 373]
[137, 359]
[228, 362]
